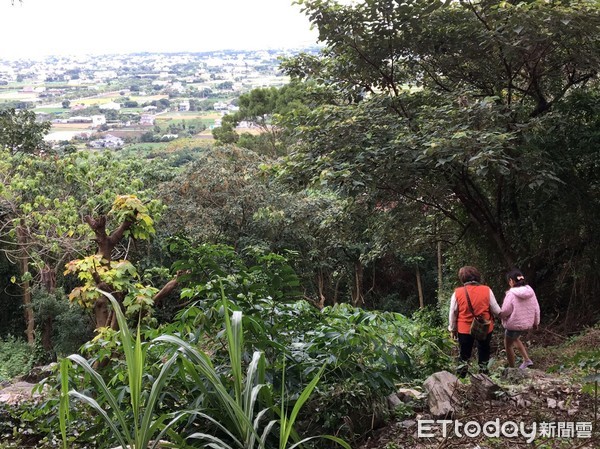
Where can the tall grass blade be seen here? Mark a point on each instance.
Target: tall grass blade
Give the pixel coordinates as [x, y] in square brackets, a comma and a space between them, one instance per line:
[232, 409]
[327, 437]
[135, 370]
[215, 442]
[63, 411]
[133, 358]
[252, 381]
[103, 389]
[266, 432]
[146, 429]
[300, 402]
[124, 441]
[220, 427]
[165, 429]
[233, 327]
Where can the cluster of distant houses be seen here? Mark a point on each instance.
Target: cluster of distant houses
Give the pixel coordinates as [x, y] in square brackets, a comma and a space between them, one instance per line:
[225, 107]
[93, 120]
[146, 119]
[108, 141]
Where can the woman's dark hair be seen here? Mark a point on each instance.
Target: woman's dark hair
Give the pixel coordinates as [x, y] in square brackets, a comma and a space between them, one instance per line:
[469, 274]
[517, 277]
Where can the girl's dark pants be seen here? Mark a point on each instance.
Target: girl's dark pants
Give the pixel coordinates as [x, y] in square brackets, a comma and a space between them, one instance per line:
[465, 342]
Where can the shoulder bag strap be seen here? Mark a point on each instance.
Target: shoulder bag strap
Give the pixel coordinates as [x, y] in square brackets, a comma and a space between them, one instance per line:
[469, 302]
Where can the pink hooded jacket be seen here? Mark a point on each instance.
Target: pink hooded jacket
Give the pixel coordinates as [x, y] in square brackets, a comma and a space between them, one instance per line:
[520, 309]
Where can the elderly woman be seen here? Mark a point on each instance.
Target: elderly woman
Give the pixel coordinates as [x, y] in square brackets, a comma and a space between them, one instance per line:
[482, 303]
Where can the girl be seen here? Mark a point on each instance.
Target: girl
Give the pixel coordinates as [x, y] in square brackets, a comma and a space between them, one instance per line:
[520, 312]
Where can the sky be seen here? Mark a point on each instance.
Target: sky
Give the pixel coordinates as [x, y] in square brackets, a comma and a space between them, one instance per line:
[36, 28]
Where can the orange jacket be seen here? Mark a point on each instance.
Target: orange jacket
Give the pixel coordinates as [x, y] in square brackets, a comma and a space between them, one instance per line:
[480, 299]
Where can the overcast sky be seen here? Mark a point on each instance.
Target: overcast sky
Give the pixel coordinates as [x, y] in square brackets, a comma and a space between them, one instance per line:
[41, 27]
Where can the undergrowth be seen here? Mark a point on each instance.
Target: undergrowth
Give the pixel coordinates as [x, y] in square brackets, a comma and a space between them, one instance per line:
[16, 358]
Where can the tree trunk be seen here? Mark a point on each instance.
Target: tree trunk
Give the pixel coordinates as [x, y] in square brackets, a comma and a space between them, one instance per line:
[101, 314]
[28, 311]
[476, 206]
[321, 288]
[420, 288]
[336, 290]
[47, 330]
[357, 287]
[106, 244]
[440, 271]
[25, 284]
[49, 283]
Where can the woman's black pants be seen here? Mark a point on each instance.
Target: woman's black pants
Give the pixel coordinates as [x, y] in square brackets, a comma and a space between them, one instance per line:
[465, 342]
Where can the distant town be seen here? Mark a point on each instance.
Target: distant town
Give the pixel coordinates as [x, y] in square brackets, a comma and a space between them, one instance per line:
[113, 100]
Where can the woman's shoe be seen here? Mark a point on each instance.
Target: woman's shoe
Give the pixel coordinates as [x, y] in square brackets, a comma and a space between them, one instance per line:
[526, 364]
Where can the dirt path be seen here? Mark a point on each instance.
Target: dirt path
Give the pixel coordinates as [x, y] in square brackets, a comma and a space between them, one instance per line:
[535, 408]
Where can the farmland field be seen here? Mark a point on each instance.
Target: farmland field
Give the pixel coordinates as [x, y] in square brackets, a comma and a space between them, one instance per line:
[71, 126]
[194, 117]
[13, 95]
[188, 115]
[145, 98]
[66, 131]
[56, 135]
[47, 110]
[109, 97]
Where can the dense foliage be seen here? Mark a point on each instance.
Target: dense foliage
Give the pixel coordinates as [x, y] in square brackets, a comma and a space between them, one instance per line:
[244, 295]
[458, 119]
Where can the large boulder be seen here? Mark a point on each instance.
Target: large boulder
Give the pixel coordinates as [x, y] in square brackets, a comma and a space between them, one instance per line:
[17, 393]
[441, 389]
[38, 373]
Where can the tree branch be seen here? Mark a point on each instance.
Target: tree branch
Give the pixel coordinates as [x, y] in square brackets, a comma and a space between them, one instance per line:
[116, 236]
[168, 288]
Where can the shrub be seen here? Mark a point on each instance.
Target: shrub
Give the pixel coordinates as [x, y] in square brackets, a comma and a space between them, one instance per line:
[230, 403]
[16, 358]
[71, 325]
[367, 352]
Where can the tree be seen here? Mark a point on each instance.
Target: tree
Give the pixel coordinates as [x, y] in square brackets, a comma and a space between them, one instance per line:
[118, 277]
[225, 188]
[21, 133]
[441, 105]
[66, 104]
[225, 85]
[42, 201]
[267, 109]
[231, 191]
[225, 134]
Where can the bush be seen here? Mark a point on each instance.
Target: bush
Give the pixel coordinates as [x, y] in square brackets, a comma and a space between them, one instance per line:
[16, 358]
[349, 409]
[35, 424]
[71, 326]
[367, 353]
